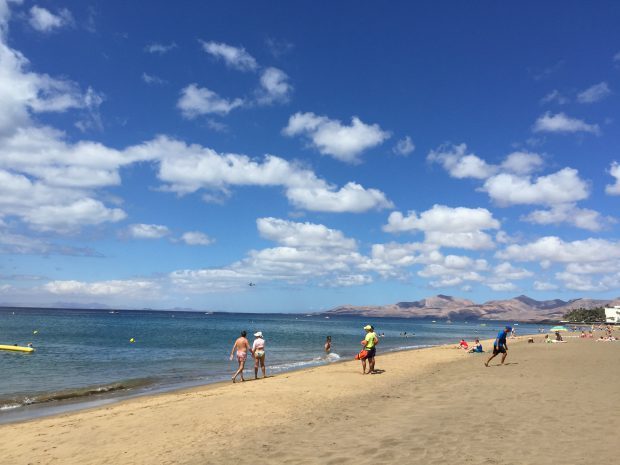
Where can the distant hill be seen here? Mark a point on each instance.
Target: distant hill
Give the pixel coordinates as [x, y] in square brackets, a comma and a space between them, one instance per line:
[521, 308]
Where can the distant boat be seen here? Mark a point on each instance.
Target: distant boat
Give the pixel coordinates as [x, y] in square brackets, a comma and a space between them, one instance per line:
[327, 318]
[433, 321]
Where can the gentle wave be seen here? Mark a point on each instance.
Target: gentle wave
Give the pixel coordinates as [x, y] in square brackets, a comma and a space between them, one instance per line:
[329, 358]
[14, 402]
[418, 346]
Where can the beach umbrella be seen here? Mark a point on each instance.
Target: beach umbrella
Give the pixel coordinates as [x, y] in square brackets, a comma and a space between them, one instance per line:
[558, 328]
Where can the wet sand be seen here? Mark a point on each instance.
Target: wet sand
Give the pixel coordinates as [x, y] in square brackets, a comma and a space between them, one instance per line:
[551, 403]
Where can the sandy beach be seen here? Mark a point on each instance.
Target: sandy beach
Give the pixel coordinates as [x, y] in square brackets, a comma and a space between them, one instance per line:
[551, 403]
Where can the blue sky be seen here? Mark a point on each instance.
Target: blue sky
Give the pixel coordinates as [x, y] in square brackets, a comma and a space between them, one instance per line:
[330, 153]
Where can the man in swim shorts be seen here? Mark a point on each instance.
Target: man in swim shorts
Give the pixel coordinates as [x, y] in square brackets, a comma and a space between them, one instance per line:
[370, 344]
[241, 346]
[258, 349]
[500, 346]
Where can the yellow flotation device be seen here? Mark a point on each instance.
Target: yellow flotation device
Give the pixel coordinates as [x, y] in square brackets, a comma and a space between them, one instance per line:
[16, 348]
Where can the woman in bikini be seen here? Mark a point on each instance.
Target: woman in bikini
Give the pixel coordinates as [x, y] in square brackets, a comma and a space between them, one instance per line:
[258, 349]
[241, 346]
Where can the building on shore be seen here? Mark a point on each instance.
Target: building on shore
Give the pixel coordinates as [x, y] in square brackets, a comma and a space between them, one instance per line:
[612, 314]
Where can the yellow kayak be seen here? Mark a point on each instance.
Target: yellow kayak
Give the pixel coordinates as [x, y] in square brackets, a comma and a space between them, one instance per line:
[16, 348]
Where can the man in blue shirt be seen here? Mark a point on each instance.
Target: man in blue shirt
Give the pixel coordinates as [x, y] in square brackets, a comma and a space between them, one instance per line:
[499, 346]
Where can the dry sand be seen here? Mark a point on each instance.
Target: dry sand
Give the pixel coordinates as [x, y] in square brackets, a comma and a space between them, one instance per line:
[551, 403]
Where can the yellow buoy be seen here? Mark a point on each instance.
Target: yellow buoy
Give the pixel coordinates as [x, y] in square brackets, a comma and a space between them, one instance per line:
[132, 340]
[35, 331]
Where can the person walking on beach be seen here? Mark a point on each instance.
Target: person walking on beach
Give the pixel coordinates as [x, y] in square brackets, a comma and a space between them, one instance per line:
[258, 349]
[500, 346]
[370, 342]
[241, 346]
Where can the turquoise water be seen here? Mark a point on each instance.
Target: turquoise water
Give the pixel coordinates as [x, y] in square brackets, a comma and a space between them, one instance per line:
[83, 355]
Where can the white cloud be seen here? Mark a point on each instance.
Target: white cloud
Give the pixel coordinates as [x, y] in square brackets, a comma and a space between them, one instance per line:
[511, 183]
[522, 163]
[443, 219]
[151, 79]
[349, 280]
[448, 227]
[502, 287]
[616, 58]
[404, 146]
[147, 231]
[278, 47]
[331, 137]
[555, 250]
[72, 216]
[22, 92]
[564, 186]
[544, 286]
[49, 208]
[352, 197]
[196, 238]
[20, 244]
[390, 259]
[569, 213]
[234, 57]
[127, 288]
[475, 240]
[293, 234]
[560, 123]
[592, 268]
[580, 282]
[160, 48]
[594, 93]
[45, 21]
[459, 164]
[310, 253]
[274, 87]
[614, 189]
[506, 271]
[188, 168]
[196, 101]
[555, 96]
[453, 270]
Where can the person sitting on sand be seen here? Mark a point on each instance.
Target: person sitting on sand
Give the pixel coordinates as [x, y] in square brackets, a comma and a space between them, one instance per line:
[500, 345]
[328, 344]
[477, 349]
[583, 334]
[241, 346]
[258, 350]
[370, 342]
[558, 337]
[547, 339]
[463, 344]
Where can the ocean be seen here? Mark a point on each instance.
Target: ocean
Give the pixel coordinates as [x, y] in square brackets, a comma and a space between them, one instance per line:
[86, 357]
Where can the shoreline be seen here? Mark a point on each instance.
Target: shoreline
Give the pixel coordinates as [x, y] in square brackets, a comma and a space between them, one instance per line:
[41, 410]
[35, 411]
[427, 406]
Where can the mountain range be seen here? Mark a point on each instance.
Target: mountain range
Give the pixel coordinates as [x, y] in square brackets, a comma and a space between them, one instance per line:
[521, 308]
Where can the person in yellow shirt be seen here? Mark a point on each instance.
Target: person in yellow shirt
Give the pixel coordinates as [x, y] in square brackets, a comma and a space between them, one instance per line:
[370, 344]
